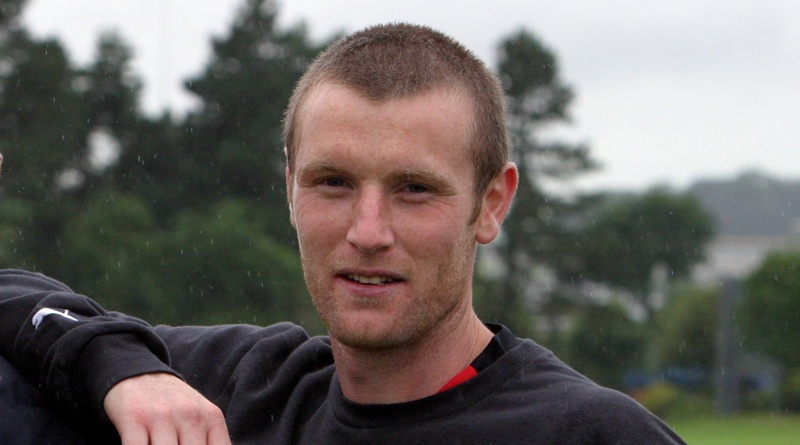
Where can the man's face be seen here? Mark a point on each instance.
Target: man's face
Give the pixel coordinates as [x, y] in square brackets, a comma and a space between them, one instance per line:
[381, 197]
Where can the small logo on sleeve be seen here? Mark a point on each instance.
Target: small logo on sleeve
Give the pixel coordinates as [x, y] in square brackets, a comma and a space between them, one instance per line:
[39, 316]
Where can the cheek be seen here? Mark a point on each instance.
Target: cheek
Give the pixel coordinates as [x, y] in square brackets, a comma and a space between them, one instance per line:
[436, 226]
[437, 239]
[317, 225]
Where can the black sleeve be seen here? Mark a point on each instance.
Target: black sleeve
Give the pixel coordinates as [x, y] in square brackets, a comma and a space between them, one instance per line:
[70, 346]
[218, 360]
[28, 417]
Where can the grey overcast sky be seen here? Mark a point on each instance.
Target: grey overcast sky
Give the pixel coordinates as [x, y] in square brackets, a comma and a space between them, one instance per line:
[666, 92]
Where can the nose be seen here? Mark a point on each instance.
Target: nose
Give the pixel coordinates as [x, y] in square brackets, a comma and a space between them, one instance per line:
[370, 226]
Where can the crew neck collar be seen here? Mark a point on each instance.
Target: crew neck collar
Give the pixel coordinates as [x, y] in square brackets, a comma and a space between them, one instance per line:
[456, 399]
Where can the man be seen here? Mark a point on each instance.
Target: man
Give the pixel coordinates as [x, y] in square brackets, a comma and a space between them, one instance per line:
[396, 169]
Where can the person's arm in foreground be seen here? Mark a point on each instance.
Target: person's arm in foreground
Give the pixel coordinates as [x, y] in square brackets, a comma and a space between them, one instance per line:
[101, 364]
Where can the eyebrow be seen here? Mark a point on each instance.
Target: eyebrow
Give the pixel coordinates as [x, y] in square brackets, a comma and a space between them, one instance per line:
[440, 183]
[432, 178]
[319, 167]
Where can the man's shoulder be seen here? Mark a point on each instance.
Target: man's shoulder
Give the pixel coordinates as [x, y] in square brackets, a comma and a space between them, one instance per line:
[554, 380]
[573, 406]
[609, 416]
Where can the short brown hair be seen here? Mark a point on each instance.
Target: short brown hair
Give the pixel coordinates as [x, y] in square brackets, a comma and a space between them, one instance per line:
[400, 60]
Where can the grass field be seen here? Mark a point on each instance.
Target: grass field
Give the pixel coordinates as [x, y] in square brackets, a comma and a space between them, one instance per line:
[739, 430]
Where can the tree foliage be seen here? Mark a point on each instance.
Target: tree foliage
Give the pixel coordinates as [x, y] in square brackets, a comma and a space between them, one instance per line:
[235, 139]
[174, 220]
[626, 242]
[687, 330]
[537, 98]
[769, 313]
[604, 342]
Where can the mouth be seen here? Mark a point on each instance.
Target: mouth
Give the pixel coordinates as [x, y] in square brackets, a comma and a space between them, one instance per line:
[370, 279]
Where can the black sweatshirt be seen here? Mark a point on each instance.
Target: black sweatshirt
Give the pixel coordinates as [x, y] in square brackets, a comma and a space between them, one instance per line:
[277, 385]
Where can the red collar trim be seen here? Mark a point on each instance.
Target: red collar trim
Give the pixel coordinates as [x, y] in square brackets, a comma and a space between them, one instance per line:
[468, 373]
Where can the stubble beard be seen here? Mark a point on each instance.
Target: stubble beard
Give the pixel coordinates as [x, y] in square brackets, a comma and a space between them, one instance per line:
[413, 325]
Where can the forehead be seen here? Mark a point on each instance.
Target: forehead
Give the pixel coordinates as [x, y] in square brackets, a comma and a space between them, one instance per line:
[440, 119]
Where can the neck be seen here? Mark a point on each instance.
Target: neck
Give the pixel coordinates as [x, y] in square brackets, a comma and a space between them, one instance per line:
[413, 372]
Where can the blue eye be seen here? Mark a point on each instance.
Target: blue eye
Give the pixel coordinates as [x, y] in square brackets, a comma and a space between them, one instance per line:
[334, 182]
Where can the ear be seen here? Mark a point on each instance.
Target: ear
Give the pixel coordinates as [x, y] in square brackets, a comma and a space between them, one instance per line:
[290, 195]
[495, 204]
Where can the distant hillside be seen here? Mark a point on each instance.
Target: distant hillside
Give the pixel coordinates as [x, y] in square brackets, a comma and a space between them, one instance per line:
[752, 204]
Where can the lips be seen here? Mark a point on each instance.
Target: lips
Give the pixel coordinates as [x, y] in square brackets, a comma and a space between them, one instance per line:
[370, 279]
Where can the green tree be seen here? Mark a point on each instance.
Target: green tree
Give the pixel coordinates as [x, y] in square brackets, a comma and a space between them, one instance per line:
[226, 268]
[9, 21]
[112, 90]
[629, 240]
[42, 139]
[604, 342]
[178, 222]
[14, 215]
[50, 116]
[769, 313]
[687, 329]
[113, 251]
[150, 166]
[214, 266]
[537, 98]
[233, 145]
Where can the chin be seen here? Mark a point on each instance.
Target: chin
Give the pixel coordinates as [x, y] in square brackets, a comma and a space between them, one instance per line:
[378, 339]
